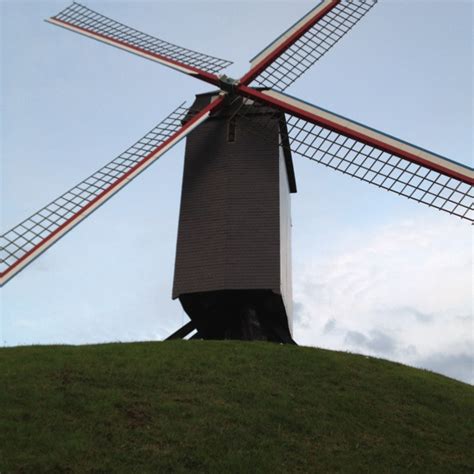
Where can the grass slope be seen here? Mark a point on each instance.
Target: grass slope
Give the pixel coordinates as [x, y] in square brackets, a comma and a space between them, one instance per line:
[226, 407]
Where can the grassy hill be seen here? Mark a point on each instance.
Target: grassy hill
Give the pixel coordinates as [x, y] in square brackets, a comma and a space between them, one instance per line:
[226, 407]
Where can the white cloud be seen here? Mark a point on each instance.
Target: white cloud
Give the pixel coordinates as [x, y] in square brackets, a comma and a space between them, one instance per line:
[404, 292]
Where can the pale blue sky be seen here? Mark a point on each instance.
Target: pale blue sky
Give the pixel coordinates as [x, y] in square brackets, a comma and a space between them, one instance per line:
[373, 272]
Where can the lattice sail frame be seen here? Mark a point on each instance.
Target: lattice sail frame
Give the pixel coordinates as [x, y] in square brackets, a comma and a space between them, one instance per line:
[34, 235]
[370, 163]
[83, 20]
[380, 168]
[312, 45]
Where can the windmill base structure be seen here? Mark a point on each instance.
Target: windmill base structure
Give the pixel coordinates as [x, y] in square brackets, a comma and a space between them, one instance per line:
[233, 255]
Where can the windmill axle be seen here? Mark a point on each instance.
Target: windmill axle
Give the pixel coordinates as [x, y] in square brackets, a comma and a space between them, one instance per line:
[228, 84]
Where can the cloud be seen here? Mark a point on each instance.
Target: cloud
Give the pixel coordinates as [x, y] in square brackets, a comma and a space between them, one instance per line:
[329, 326]
[377, 342]
[410, 312]
[297, 312]
[459, 366]
[403, 292]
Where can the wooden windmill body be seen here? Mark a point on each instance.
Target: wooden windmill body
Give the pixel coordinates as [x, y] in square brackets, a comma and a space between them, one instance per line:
[233, 257]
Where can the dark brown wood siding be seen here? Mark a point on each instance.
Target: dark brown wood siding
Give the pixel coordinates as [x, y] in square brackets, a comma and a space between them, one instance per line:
[229, 227]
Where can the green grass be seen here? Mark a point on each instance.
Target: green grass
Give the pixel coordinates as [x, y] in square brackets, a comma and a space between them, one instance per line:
[226, 407]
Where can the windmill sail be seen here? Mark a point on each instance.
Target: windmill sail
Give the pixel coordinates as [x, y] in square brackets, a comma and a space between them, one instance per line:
[294, 52]
[85, 21]
[372, 156]
[24, 242]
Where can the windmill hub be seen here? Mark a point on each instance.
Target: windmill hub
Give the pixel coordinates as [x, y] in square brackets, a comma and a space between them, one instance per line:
[228, 84]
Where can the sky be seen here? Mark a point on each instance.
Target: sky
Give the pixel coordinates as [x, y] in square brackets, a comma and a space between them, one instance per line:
[373, 272]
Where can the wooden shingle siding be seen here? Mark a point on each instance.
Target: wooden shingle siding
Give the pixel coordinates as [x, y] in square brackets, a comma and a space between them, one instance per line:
[229, 226]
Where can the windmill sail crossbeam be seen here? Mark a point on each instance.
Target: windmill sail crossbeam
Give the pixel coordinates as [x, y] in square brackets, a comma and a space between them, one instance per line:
[383, 169]
[83, 20]
[369, 155]
[314, 43]
[24, 242]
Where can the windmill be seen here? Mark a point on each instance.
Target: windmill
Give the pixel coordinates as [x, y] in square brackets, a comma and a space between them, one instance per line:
[389, 164]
